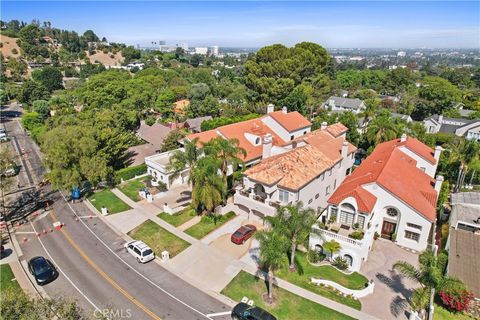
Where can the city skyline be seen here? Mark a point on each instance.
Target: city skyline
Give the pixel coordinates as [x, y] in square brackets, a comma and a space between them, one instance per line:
[255, 24]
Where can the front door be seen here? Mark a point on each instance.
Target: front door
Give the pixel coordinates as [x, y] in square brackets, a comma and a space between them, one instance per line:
[387, 229]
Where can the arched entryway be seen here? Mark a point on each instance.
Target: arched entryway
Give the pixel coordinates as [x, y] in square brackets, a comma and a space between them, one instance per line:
[318, 248]
[349, 259]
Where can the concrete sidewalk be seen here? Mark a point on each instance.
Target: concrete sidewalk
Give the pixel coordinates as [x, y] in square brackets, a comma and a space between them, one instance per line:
[189, 223]
[313, 296]
[146, 210]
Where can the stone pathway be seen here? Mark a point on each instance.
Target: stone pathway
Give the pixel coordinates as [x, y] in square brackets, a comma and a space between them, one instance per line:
[189, 223]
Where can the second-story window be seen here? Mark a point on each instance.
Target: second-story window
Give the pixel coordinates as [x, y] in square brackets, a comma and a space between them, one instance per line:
[283, 196]
[327, 191]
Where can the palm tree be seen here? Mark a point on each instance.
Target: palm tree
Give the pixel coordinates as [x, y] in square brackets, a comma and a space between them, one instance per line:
[383, 128]
[181, 160]
[295, 222]
[227, 151]
[272, 254]
[208, 188]
[332, 247]
[371, 106]
[466, 153]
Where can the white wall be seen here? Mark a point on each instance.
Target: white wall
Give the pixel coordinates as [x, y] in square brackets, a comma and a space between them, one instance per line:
[281, 131]
[407, 214]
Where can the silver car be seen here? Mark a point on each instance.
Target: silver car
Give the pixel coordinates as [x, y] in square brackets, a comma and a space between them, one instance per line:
[140, 251]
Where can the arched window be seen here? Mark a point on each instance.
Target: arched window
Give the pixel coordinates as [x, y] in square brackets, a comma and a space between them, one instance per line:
[318, 248]
[348, 207]
[392, 212]
[349, 259]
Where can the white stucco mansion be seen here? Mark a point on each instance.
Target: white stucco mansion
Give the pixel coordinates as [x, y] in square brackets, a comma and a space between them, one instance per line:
[392, 195]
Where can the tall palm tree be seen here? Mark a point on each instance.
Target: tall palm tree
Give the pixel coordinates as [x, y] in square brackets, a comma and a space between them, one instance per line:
[272, 254]
[187, 159]
[295, 222]
[332, 246]
[383, 128]
[227, 151]
[371, 106]
[208, 188]
[466, 153]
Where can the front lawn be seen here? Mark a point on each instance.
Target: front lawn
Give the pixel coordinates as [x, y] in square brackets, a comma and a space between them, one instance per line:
[301, 278]
[178, 218]
[287, 305]
[158, 238]
[6, 277]
[440, 313]
[108, 199]
[207, 225]
[132, 187]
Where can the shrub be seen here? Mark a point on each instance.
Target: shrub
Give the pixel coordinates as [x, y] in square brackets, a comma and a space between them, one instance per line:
[315, 256]
[14, 51]
[357, 235]
[162, 187]
[340, 263]
[456, 299]
[131, 172]
[376, 235]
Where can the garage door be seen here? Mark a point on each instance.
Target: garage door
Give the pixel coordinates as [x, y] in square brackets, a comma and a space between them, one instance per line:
[346, 218]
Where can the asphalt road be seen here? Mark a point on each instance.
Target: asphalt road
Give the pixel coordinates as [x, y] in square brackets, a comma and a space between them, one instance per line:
[94, 268]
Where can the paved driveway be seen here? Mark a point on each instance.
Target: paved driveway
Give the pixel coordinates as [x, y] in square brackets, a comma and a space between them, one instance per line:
[389, 300]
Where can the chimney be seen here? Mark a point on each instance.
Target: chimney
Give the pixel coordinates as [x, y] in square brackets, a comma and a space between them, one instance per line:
[267, 146]
[270, 108]
[440, 118]
[284, 110]
[344, 149]
[331, 103]
[323, 126]
[438, 183]
[403, 138]
[438, 151]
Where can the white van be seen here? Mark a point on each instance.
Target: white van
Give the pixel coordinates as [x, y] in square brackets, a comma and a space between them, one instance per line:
[140, 251]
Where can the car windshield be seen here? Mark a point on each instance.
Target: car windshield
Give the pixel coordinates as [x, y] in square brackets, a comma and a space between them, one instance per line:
[147, 252]
[40, 266]
[238, 233]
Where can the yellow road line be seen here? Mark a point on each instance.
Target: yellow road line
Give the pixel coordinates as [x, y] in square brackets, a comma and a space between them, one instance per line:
[103, 274]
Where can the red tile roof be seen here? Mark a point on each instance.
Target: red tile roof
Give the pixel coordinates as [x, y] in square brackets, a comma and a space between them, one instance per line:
[396, 172]
[291, 121]
[417, 147]
[337, 129]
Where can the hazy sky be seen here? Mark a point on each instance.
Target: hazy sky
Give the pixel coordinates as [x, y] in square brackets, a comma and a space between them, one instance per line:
[367, 24]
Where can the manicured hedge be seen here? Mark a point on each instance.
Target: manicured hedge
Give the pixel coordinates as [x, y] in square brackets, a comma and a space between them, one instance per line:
[131, 172]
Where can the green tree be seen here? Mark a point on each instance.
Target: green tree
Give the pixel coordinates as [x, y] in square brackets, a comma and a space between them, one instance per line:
[440, 92]
[383, 128]
[295, 223]
[465, 153]
[130, 53]
[227, 152]
[171, 142]
[90, 36]
[50, 77]
[208, 187]
[296, 100]
[31, 120]
[31, 91]
[332, 247]
[41, 107]
[272, 255]
[185, 159]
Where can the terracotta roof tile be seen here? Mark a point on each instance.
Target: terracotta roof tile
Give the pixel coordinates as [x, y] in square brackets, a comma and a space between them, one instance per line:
[395, 171]
[292, 169]
[291, 121]
[337, 129]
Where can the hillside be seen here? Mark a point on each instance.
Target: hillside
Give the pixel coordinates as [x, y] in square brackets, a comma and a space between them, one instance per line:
[9, 44]
[107, 59]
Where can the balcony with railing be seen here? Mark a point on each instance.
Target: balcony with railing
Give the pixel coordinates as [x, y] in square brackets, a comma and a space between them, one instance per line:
[255, 201]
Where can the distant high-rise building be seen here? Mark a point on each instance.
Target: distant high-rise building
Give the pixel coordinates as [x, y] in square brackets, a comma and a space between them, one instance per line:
[401, 54]
[214, 51]
[162, 42]
[183, 45]
[201, 50]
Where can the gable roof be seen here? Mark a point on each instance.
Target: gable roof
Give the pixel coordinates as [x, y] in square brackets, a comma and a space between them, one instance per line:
[345, 102]
[154, 134]
[397, 173]
[291, 121]
[195, 123]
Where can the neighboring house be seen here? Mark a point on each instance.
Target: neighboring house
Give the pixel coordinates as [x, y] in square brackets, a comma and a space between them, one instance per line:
[395, 99]
[281, 126]
[180, 107]
[157, 167]
[392, 193]
[309, 172]
[193, 125]
[154, 136]
[404, 117]
[344, 104]
[470, 129]
[463, 242]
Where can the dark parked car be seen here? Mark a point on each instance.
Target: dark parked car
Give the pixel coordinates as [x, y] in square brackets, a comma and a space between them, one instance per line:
[243, 234]
[243, 311]
[43, 270]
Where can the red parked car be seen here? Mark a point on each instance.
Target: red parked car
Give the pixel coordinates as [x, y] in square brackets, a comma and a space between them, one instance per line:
[243, 234]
